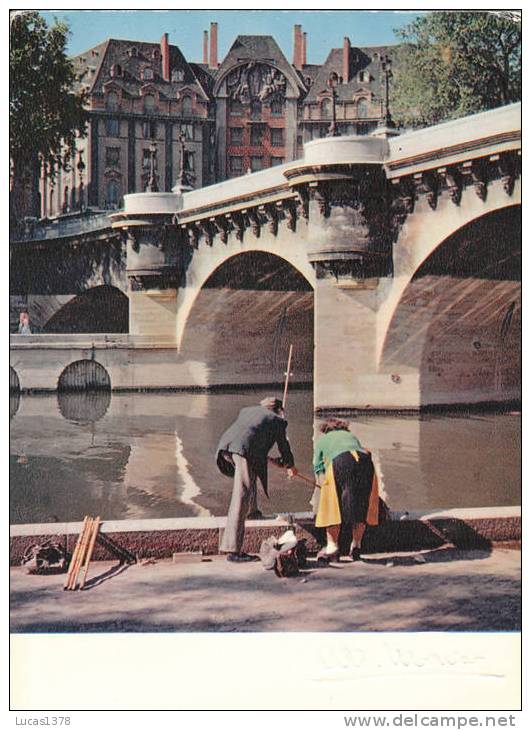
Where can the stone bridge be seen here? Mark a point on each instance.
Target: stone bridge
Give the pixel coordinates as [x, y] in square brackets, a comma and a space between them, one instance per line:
[391, 262]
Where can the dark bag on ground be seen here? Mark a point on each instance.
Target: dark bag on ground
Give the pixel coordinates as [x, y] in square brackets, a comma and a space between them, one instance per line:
[285, 562]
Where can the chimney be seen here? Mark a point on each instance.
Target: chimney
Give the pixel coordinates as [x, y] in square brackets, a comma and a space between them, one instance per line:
[165, 56]
[205, 47]
[297, 46]
[213, 45]
[346, 60]
[304, 42]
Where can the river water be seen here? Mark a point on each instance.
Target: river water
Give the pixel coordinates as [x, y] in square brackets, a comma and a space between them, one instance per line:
[151, 455]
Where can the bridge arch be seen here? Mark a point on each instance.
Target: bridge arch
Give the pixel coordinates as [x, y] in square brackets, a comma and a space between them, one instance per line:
[243, 317]
[207, 260]
[425, 230]
[456, 324]
[84, 375]
[100, 309]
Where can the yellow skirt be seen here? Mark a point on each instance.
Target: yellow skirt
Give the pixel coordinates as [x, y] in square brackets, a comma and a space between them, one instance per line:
[329, 512]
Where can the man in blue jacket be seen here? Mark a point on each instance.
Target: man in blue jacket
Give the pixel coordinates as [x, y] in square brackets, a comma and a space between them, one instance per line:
[242, 454]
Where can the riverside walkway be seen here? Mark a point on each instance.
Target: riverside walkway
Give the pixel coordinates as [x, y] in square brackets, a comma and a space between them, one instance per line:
[444, 589]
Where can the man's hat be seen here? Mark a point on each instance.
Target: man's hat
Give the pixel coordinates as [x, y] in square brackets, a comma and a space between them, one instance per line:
[274, 404]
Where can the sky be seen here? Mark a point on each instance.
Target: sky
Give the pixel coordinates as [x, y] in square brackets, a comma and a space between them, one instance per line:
[325, 28]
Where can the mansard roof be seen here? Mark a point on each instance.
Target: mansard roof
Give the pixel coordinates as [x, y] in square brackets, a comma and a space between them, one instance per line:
[259, 48]
[95, 68]
[366, 58]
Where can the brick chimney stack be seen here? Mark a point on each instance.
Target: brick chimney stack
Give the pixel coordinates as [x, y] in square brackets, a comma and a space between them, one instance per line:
[297, 47]
[213, 45]
[205, 47]
[304, 46]
[346, 60]
[165, 57]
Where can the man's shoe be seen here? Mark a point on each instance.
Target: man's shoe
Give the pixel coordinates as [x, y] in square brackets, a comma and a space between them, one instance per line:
[355, 554]
[241, 558]
[255, 515]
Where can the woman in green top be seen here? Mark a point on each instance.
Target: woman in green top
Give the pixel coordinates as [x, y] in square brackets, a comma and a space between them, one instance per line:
[349, 491]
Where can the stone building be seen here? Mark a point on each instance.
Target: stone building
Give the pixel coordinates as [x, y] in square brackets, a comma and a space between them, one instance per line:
[148, 107]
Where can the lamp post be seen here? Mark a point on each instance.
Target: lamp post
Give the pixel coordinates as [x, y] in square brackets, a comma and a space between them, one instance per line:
[387, 74]
[332, 83]
[80, 169]
[184, 179]
[152, 183]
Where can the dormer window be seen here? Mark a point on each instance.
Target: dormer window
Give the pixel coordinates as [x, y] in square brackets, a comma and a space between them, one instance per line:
[364, 77]
[112, 101]
[177, 75]
[147, 74]
[133, 52]
[155, 53]
[116, 70]
[362, 108]
[149, 103]
[187, 105]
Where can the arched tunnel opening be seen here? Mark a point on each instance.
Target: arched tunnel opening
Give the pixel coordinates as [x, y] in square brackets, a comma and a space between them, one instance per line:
[458, 323]
[246, 316]
[103, 309]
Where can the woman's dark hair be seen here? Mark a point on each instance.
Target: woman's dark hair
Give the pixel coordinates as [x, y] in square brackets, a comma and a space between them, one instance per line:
[334, 424]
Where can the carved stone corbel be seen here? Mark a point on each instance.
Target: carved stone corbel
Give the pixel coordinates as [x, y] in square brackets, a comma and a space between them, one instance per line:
[290, 211]
[478, 173]
[319, 195]
[254, 221]
[454, 183]
[431, 188]
[136, 283]
[271, 215]
[237, 222]
[133, 240]
[222, 227]
[193, 235]
[205, 228]
[507, 171]
[303, 200]
[403, 193]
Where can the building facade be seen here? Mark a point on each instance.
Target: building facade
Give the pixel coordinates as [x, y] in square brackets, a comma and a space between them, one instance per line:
[154, 115]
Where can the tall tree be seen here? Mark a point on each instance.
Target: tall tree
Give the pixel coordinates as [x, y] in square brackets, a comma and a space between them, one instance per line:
[454, 63]
[45, 109]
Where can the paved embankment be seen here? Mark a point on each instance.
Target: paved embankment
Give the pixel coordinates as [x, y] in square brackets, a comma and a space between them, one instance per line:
[444, 589]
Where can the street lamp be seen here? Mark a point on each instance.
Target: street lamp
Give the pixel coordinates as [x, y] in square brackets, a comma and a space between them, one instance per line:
[152, 184]
[386, 65]
[80, 169]
[332, 83]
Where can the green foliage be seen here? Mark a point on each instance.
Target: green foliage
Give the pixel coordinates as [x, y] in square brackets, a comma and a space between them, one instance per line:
[44, 110]
[454, 63]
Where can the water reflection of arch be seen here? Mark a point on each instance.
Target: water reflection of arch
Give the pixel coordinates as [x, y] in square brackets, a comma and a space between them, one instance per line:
[83, 375]
[83, 406]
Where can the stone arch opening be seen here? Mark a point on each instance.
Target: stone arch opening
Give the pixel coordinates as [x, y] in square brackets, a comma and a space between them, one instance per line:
[456, 327]
[14, 392]
[84, 375]
[247, 313]
[14, 382]
[103, 309]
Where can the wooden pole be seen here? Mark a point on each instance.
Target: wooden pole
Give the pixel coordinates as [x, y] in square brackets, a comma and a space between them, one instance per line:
[288, 373]
[90, 550]
[74, 558]
[81, 554]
